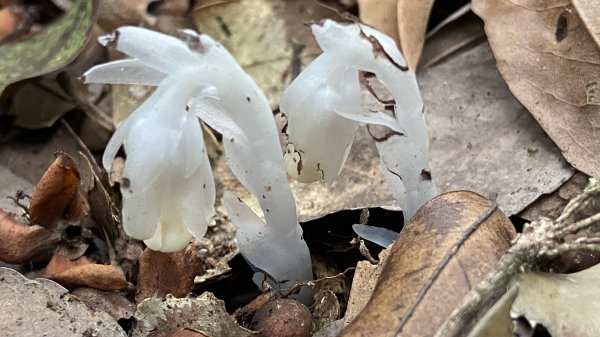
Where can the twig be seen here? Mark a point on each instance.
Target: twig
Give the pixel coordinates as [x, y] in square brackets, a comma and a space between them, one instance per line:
[91, 110]
[541, 240]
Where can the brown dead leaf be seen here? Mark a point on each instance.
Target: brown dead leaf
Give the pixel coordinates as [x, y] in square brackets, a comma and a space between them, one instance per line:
[115, 13]
[588, 12]
[33, 308]
[551, 64]
[381, 14]
[446, 248]
[404, 20]
[114, 304]
[168, 273]
[55, 197]
[552, 204]
[413, 17]
[20, 243]
[84, 273]
[267, 37]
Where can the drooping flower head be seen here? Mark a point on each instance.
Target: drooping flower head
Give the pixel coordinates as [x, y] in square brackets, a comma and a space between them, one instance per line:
[170, 192]
[324, 108]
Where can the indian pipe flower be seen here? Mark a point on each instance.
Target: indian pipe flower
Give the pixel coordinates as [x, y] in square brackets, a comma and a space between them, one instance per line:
[171, 192]
[324, 108]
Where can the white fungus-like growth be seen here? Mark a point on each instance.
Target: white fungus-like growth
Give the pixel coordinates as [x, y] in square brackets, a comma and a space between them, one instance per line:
[171, 193]
[324, 108]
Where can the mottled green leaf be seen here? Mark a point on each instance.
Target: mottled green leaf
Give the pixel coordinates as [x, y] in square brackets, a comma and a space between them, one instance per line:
[49, 49]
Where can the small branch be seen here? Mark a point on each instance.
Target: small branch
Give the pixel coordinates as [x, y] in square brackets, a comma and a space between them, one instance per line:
[74, 90]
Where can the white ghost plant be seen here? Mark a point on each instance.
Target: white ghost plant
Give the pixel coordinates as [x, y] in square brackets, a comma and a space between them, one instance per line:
[324, 108]
[170, 194]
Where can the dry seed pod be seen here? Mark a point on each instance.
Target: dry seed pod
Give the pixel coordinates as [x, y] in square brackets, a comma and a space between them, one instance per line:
[446, 248]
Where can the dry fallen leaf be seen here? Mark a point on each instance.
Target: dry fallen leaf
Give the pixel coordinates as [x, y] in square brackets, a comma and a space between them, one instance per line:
[482, 138]
[565, 304]
[588, 12]
[204, 313]
[84, 273]
[552, 204]
[168, 273]
[446, 248]
[551, 64]
[114, 304]
[33, 308]
[55, 197]
[20, 243]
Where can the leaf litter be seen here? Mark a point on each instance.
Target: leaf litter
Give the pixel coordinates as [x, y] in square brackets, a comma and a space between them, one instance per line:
[482, 139]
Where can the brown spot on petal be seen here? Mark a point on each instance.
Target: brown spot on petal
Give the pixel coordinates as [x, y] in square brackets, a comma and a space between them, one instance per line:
[425, 175]
[378, 50]
[380, 133]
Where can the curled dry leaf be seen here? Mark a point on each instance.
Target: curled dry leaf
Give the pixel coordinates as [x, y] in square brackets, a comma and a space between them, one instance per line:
[49, 49]
[552, 69]
[204, 313]
[41, 307]
[84, 273]
[20, 243]
[168, 273]
[55, 197]
[446, 248]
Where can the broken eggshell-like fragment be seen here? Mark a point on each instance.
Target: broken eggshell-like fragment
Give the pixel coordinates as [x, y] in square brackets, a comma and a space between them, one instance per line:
[324, 108]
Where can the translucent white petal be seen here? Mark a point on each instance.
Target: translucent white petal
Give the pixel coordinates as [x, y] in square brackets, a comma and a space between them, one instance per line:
[129, 71]
[368, 117]
[195, 198]
[157, 130]
[171, 235]
[162, 52]
[378, 235]
[193, 139]
[210, 111]
[141, 210]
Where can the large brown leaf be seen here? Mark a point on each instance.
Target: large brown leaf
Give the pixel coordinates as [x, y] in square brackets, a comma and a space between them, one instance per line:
[551, 64]
[446, 248]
